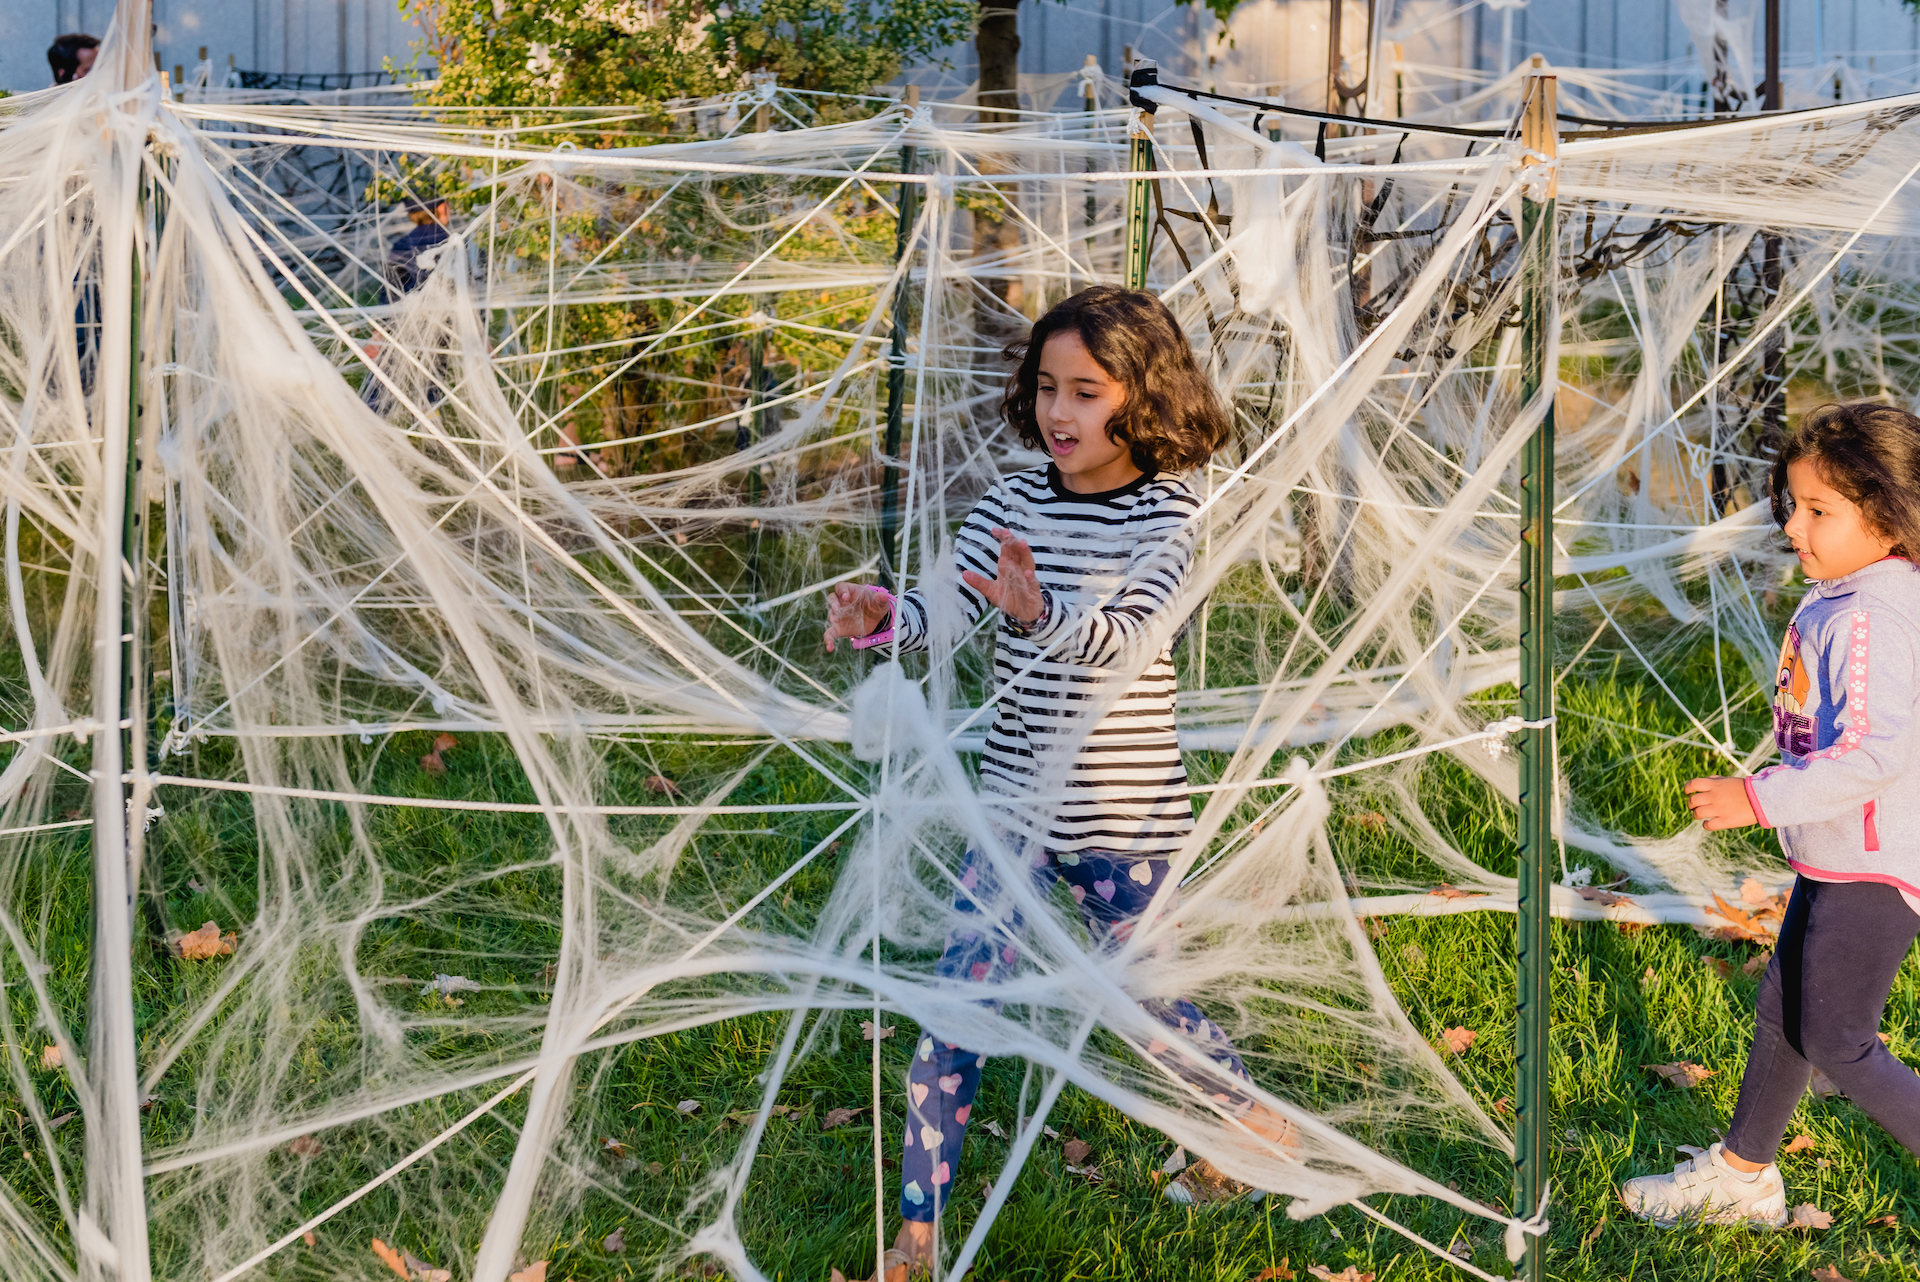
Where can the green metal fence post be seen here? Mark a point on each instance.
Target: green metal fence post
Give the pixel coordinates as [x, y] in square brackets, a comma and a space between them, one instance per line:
[897, 363]
[1140, 190]
[1540, 136]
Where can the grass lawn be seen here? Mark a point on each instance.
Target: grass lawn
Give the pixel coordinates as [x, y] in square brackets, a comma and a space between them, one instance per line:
[1624, 999]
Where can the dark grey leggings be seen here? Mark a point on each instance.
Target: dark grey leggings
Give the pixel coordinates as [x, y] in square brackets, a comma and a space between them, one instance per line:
[1820, 1005]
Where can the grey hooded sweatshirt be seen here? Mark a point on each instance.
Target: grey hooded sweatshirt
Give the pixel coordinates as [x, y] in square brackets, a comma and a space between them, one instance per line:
[1846, 794]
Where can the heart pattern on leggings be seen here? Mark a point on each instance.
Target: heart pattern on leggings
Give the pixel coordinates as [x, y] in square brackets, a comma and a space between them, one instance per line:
[950, 1083]
[1104, 888]
[919, 1093]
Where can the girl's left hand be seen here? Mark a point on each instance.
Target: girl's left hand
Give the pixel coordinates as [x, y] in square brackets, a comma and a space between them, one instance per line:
[1720, 803]
[1016, 593]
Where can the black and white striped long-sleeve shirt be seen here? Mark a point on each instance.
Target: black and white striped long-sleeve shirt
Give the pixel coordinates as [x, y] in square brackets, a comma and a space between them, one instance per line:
[1106, 563]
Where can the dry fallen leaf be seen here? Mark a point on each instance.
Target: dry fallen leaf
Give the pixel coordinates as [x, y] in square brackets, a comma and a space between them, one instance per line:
[687, 1107]
[1372, 821]
[1593, 1234]
[390, 1256]
[1684, 1074]
[1076, 1151]
[1761, 926]
[204, 943]
[662, 785]
[1827, 1273]
[837, 1117]
[1445, 891]
[1275, 1273]
[1885, 1222]
[442, 742]
[867, 1033]
[1753, 892]
[1799, 1142]
[432, 764]
[614, 1242]
[311, 1240]
[54, 1124]
[1348, 1274]
[51, 1057]
[304, 1146]
[1503, 1106]
[194, 885]
[1458, 1039]
[1175, 1164]
[1720, 967]
[1808, 1216]
[614, 1149]
[993, 1129]
[1597, 895]
[1758, 963]
[1049, 1132]
[535, 1272]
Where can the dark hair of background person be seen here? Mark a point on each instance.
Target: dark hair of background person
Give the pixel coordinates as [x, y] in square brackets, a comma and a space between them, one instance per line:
[1870, 453]
[1172, 419]
[63, 55]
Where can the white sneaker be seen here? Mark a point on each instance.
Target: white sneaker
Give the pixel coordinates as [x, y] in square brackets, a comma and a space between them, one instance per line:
[1706, 1190]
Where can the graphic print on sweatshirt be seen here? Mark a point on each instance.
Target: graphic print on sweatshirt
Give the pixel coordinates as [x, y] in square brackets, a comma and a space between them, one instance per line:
[1792, 727]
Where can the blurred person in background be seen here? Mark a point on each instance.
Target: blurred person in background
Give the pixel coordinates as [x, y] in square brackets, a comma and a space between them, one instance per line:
[71, 57]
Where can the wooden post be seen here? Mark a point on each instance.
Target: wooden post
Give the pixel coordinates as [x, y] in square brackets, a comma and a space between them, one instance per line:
[1540, 135]
[1092, 105]
[897, 363]
[1140, 190]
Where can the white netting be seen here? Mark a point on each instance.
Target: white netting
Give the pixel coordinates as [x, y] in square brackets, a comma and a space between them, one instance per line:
[664, 809]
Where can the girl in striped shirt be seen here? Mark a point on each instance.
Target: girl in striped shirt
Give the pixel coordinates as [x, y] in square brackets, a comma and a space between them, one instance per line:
[1078, 557]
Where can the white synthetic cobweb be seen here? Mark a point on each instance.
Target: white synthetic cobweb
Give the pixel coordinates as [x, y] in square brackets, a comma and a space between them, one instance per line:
[363, 535]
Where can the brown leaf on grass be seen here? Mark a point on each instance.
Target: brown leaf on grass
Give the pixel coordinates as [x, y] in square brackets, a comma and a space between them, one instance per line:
[1458, 1039]
[55, 1123]
[425, 1272]
[1761, 926]
[1885, 1222]
[838, 1117]
[1076, 1151]
[993, 1129]
[1752, 892]
[1348, 1274]
[442, 742]
[654, 1168]
[1593, 1234]
[662, 785]
[1446, 891]
[1599, 895]
[304, 1146]
[194, 885]
[614, 1149]
[1684, 1074]
[535, 1272]
[1808, 1216]
[615, 1242]
[1827, 1273]
[1720, 967]
[1503, 1106]
[687, 1107]
[432, 764]
[1371, 820]
[311, 1240]
[391, 1257]
[1275, 1273]
[867, 1033]
[51, 1057]
[1758, 963]
[204, 944]
[1799, 1142]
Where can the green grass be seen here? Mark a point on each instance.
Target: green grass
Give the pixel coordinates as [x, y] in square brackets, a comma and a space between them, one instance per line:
[1623, 999]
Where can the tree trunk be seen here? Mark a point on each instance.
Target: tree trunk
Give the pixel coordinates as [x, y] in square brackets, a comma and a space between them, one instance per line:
[996, 44]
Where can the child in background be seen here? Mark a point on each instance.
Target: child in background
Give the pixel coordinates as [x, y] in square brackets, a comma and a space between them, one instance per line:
[1845, 799]
[1078, 557]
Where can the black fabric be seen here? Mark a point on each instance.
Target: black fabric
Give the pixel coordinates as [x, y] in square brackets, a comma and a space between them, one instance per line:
[1820, 1006]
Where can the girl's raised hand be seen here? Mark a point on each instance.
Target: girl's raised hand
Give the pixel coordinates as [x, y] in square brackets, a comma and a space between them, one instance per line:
[1720, 802]
[1016, 592]
[854, 610]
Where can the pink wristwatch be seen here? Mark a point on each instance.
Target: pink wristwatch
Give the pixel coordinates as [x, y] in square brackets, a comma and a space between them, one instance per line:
[885, 634]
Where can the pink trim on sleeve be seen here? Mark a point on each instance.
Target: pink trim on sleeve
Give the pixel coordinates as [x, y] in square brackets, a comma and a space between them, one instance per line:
[1858, 726]
[1753, 799]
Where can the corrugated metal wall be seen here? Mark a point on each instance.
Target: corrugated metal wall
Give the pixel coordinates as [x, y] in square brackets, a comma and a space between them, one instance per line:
[1272, 44]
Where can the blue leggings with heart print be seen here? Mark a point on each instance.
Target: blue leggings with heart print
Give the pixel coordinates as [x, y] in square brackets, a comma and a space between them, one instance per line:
[1112, 891]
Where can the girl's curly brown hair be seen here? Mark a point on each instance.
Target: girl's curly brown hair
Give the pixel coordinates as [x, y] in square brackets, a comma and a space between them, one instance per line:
[1172, 421]
[1870, 453]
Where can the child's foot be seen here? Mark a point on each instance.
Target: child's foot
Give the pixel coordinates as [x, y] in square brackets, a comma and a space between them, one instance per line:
[1203, 1182]
[910, 1257]
[1708, 1190]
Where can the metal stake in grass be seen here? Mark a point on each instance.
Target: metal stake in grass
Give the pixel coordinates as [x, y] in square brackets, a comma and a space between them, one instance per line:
[1539, 134]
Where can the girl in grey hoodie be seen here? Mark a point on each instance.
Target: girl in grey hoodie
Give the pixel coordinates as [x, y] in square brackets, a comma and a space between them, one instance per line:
[1845, 800]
